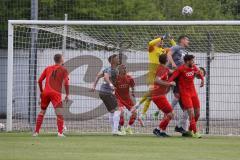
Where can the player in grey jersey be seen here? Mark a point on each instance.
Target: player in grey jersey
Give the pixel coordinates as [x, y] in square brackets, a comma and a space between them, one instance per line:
[175, 57]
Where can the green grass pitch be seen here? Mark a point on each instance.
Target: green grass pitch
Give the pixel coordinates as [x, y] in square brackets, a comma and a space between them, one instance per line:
[21, 146]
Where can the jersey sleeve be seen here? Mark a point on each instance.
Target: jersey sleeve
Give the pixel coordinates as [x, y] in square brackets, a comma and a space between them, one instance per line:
[174, 49]
[198, 72]
[172, 42]
[154, 42]
[175, 74]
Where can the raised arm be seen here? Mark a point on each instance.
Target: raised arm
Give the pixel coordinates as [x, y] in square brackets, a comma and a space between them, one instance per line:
[155, 41]
[170, 58]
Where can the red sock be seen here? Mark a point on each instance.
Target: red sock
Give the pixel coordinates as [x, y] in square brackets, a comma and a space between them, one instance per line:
[60, 122]
[121, 122]
[39, 122]
[132, 119]
[164, 123]
[192, 126]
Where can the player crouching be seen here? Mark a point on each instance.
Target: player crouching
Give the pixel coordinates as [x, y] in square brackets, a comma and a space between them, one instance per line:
[158, 93]
[124, 83]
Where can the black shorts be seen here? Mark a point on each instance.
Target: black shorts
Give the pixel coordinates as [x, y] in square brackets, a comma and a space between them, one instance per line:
[109, 100]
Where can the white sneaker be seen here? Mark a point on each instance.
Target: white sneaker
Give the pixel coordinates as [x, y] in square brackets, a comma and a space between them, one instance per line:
[118, 133]
[61, 135]
[35, 134]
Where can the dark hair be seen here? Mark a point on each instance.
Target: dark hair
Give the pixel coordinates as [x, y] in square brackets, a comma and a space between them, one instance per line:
[57, 58]
[163, 59]
[182, 37]
[188, 57]
[111, 57]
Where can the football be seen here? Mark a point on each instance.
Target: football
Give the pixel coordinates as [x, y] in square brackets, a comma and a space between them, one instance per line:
[187, 11]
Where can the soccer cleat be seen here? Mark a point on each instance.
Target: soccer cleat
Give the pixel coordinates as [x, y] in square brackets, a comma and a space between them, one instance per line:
[179, 129]
[197, 135]
[156, 132]
[129, 130]
[61, 135]
[123, 130]
[163, 134]
[118, 133]
[155, 115]
[35, 134]
[187, 134]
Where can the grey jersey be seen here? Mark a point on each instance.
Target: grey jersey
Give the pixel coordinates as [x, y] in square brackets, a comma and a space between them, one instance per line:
[178, 52]
[105, 87]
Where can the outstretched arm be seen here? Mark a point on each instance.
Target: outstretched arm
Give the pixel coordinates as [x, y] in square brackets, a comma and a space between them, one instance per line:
[170, 58]
[175, 74]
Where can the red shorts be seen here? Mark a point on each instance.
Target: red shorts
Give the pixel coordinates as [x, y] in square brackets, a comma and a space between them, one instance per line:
[162, 104]
[128, 103]
[189, 101]
[47, 97]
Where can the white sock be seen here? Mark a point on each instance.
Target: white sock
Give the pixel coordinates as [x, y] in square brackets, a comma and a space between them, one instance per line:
[174, 102]
[111, 120]
[116, 119]
[184, 120]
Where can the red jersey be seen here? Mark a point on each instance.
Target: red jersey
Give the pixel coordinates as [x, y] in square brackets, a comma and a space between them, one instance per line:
[157, 89]
[123, 83]
[185, 77]
[54, 75]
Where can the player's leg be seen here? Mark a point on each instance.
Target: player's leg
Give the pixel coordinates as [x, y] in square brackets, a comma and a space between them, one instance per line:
[182, 125]
[56, 100]
[196, 104]
[45, 100]
[114, 117]
[163, 105]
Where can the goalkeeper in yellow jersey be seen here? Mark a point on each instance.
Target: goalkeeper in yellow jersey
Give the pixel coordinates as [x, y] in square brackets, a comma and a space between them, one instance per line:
[155, 49]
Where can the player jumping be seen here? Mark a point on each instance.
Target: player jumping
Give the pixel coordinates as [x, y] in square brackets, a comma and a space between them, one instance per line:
[175, 57]
[158, 95]
[188, 94]
[155, 49]
[55, 75]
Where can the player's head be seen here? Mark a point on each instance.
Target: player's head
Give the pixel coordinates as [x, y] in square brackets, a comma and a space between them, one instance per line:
[189, 60]
[58, 59]
[183, 40]
[113, 59]
[163, 59]
[122, 69]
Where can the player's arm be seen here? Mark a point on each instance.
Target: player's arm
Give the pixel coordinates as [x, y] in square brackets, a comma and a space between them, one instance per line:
[66, 85]
[175, 74]
[99, 75]
[40, 80]
[172, 42]
[170, 58]
[159, 81]
[132, 86]
[107, 79]
[200, 75]
[155, 41]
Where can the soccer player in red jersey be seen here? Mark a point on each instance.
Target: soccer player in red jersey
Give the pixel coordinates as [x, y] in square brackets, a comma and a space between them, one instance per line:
[188, 94]
[54, 77]
[124, 83]
[158, 93]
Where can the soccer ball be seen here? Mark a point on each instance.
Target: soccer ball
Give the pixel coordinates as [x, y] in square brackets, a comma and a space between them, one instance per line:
[2, 126]
[187, 11]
